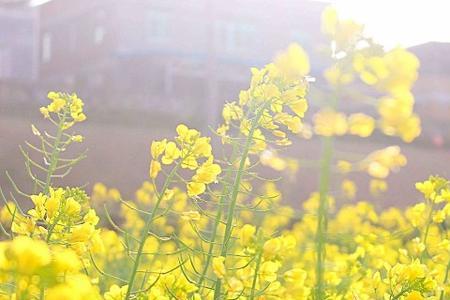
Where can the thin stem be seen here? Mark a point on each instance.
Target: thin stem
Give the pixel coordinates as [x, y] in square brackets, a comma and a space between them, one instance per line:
[218, 218]
[235, 192]
[445, 280]
[429, 222]
[255, 276]
[146, 230]
[55, 153]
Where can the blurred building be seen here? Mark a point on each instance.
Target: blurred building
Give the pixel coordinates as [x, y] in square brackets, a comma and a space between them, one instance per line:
[177, 58]
[174, 56]
[18, 46]
[432, 90]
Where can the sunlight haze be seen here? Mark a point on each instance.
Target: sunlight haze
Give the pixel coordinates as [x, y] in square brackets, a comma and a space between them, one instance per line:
[400, 22]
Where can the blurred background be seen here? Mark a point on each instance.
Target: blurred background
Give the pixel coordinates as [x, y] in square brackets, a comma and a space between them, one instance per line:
[143, 66]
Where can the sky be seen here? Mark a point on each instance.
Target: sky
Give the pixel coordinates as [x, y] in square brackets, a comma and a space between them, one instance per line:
[400, 22]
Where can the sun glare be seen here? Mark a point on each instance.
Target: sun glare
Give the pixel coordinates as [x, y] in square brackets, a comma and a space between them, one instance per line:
[400, 22]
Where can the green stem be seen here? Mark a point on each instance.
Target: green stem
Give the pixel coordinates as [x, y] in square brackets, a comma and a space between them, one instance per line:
[445, 280]
[225, 191]
[429, 222]
[235, 193]
[255, 276]
[55, 153]
[322, 216]
[146, 230]
[427, 229]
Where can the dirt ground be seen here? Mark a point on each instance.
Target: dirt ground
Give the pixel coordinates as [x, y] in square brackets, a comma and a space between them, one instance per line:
[118, 155]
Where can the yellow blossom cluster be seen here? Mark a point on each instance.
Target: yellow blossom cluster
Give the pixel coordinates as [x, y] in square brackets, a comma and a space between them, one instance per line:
[391, 74]
[331, 123]
[68, 108]
[62, 216]
[189, 151]
[275, 101]
[34, 265]
[394, 73]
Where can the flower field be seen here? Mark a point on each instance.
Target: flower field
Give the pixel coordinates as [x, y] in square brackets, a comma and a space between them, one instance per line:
[206, 224]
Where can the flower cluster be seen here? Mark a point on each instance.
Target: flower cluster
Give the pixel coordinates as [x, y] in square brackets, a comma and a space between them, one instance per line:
[35, 265]
[392, 75]
[68, 108]
[275, 101]
[189, 151]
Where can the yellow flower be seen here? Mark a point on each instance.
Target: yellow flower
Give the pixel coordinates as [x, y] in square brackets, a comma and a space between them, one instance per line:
[271, 159]
[195, 188]
[155, 168]
[246, 235]
[28, 255]
[187, 135]
[414, 295]
[66, 261]
[299, 107]
[379, 163]
[116, 293]
[329, 20]
[7, 212]
[77, 138]
[218, 266]
[427, 188]
[54, 202]
[377, 186]
[348, 188]
[271, 248]
[439, 216]
[361, 124]
[294, 63]
[76, 287]
[268, 271]
[293, 123]
[328, 123]
[39, 210]
[231, 111]
[207, 173]
[44, 111]
[72, 207]
[234, 286]
[416, 214]
[335, 76]
[344, 32]
[56, 105]
[344, 166]
[82, 233]
[171, 153]
[296, 275]
[157, 148]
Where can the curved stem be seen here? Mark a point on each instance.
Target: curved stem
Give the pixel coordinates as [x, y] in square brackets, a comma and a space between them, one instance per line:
[235, 193]
[255, 276]
[55, 153]
[218, 218]
[145, 231]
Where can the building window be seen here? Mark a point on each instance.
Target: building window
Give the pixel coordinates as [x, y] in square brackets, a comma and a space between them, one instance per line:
[46, 47]
[99, 34]
[156, 26]
[237, 36]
